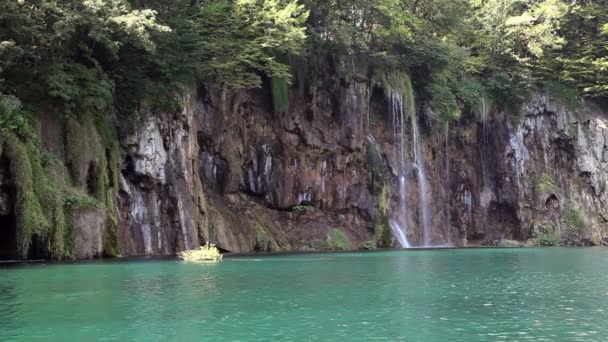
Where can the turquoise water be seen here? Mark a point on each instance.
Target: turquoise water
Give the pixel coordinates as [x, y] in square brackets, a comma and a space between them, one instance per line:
[457, 295]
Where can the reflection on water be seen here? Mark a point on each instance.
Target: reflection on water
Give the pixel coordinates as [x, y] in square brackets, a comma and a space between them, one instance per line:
[552, 294]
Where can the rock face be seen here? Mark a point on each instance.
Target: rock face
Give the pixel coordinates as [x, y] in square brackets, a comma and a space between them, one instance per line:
[160, 200]
[248, 179]
[229, 170]
[546, 171]
[87, 231]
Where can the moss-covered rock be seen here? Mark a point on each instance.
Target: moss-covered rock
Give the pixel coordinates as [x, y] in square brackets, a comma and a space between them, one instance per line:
[382, 229]
[337, 240]
[263, 240]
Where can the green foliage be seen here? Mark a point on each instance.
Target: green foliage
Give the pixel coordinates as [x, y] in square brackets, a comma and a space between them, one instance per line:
[280, 94]
[518, 43]
[368, 245]
[374, 164]
[443, 99]
[263, 240]
[44, 202]
[64, 50]
[573, 219]
[358, 26]
[240, 38]
[89, 56]
[401, 83]
[337, 240]
[303, 209]
[382, 229]
[547, 236]
[205, 253]
[546, 183]
[13, 118]
[547, 239]
[77, 200]
[40, 203]
[568, 95]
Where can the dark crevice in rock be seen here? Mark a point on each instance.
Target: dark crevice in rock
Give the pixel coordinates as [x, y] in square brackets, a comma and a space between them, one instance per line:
[37, 250]
[8, 219]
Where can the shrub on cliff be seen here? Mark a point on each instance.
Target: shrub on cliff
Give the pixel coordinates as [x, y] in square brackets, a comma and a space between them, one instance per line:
[547, 239]
[206, 253]
[547, 236]
[368, 245]
[573, 218]
[337, 240]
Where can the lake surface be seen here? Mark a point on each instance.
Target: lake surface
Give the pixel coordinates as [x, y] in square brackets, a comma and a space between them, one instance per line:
[552, 294]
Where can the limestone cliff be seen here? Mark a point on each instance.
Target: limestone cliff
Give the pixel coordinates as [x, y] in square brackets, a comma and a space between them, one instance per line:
[231, 169]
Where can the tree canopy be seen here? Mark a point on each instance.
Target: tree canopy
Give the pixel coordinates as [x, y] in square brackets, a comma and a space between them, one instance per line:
[97, 55]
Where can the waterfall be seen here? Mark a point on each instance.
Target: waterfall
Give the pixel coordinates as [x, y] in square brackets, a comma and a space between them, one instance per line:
[140, 217]
[423, 186]
[485, 131]
[468, 203]
[399, 222]
[183, 225]
[447, 178]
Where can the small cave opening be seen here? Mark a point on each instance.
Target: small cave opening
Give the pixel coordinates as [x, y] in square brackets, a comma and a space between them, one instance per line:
[92, 179]
[504, 215]
[110, 168]
[8, 218]
[8, 237]
[552, 202]
[37, 250]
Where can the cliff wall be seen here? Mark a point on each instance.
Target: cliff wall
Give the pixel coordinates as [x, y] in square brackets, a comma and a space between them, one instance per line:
[235, 169]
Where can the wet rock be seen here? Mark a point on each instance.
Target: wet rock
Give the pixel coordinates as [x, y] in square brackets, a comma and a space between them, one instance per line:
[150, 156]
[87, 230]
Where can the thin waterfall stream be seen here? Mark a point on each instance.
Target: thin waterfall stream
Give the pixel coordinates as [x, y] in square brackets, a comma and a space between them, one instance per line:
[423, 186]
[447, 178]
[399, 220]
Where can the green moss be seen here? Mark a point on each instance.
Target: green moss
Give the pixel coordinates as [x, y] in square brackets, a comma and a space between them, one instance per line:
[573, 219]
[373, 119]
[337, 240]
[30, 217]
[263, 240]
[570, 97]
[547, 240]
[303, 209]
[13, 119]
[280, 94]
[546, 183]
[368, 245]
[110, 236]
[401, 83]
[382, 229]
[109, 186]
[374, 164]
[44, 202]
[443, 101]
[547, 236]
[93, 157]
[77, 200]
[40, 204]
